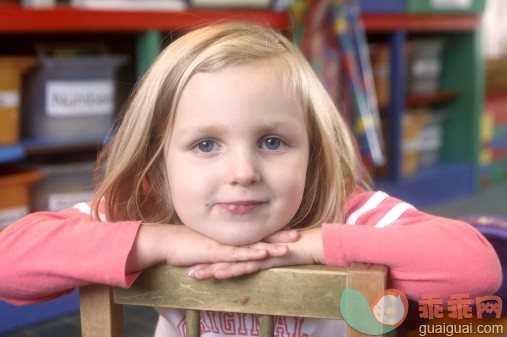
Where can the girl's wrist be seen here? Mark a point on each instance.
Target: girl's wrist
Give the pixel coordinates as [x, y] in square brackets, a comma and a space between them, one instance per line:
[148, 248]
[316, 245]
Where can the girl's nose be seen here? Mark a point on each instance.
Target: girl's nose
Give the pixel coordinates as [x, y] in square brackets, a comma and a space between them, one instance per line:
[243, 169]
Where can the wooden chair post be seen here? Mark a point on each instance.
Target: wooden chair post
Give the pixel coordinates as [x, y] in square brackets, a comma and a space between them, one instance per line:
[368, 281]
[193, 321]
[100, 316]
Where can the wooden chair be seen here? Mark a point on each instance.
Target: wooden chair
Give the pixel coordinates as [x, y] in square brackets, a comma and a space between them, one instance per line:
[267, 293]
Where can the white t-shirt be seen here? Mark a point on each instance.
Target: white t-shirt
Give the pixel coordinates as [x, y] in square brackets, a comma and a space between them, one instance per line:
[171, 323]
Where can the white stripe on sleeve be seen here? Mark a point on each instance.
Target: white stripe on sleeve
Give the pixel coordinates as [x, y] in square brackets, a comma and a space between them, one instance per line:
[84, 208]
[372, 202]
[393, 214]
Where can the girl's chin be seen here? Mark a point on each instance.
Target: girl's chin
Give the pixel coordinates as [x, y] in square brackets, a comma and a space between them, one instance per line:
[238, 238]
[234, 241]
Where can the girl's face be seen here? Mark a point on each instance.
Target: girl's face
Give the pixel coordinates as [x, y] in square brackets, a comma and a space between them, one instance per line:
[238, 154]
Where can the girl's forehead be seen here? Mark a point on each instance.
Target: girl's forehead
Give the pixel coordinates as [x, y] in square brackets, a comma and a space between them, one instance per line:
[251, 91]
[272, 70]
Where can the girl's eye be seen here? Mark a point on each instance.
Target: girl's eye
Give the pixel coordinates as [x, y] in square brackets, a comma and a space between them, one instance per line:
[272, 143]
[206, 146]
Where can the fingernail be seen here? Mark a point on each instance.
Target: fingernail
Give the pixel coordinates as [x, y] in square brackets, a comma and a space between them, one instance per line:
[282, 249]
[192, 273]
[293, 234]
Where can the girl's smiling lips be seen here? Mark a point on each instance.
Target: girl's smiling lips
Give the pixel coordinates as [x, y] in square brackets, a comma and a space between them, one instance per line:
[241, 207]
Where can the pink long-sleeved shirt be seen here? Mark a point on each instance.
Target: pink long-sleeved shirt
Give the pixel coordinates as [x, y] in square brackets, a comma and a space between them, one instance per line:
[45, 255]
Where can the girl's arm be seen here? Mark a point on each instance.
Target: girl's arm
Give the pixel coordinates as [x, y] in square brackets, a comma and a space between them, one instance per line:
[48, 254]
[425, 254]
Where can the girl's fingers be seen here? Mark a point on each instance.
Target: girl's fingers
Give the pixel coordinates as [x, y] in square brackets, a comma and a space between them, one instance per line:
[238, 269]
[257, 251]
[272, 249]
[222, 271]
[230, 253]
[277, 250]
[195, 268]
[206, 271]
[283, 236]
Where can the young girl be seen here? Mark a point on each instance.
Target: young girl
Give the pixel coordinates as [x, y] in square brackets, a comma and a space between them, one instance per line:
[229, 145]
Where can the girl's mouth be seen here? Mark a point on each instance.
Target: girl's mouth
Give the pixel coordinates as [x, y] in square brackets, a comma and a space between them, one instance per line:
[241, 207]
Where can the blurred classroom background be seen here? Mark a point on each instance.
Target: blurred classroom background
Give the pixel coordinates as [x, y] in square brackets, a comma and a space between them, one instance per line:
[422, 84]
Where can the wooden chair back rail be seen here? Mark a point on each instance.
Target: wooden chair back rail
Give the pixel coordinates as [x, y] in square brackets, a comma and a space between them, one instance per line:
[302, 291]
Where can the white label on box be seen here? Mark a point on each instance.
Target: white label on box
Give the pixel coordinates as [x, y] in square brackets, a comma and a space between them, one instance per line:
[79, 98]
[59, 201]
[10, 215]
[426, 68]
[451, 4]
[9, 99]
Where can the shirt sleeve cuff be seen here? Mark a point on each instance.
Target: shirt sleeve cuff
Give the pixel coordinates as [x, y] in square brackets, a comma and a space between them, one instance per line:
[332, 241]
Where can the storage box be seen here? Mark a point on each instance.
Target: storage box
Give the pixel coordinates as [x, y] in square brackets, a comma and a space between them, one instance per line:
[422, 139]
[496, 79]
[15, 186]
[424, 65]
[71, 98]
[412, 125]
[382, 6]
[431, 139]
[11, 71]
[445, 6]
[380, 63]
[63, 186]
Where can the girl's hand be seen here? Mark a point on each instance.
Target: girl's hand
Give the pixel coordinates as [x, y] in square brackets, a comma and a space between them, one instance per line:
[178, 245]
[307, 250]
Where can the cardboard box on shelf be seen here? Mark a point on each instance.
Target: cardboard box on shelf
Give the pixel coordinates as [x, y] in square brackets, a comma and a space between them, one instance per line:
[11, 72]
[15, 185]
[422, 139]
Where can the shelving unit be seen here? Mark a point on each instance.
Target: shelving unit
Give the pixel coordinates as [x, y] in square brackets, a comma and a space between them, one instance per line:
[462, 95]
[14, 19]
[391, 23]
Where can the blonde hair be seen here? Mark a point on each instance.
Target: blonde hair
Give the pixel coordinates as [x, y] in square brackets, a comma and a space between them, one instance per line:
[132, 176]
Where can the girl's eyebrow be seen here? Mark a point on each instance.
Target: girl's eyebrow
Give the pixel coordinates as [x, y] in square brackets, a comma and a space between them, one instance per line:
[217, 129]
[281, 126]
[203, 130]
